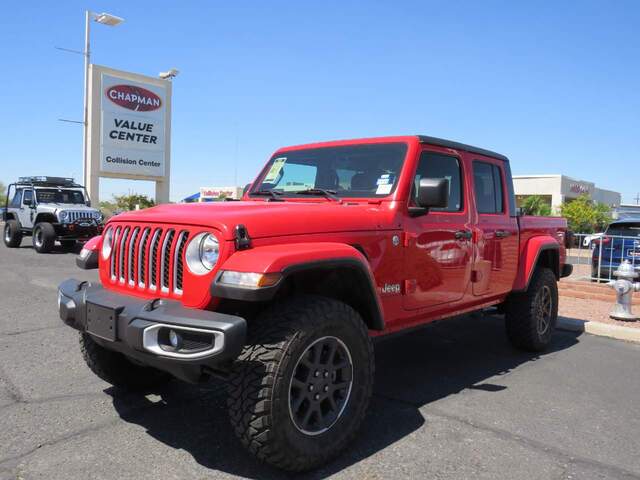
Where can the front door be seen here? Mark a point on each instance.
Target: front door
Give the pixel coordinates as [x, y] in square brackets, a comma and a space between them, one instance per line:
[496, 253]
[438, 244]
[26, 213]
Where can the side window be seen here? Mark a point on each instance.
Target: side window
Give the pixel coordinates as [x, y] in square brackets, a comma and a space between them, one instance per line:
[487, 182]
[437, 165]
[27, 197]
[16, 201]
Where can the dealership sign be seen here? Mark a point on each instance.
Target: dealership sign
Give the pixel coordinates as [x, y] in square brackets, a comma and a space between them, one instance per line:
[133, 124]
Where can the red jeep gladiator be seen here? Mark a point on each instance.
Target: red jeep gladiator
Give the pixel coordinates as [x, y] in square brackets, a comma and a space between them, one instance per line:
[281, 292]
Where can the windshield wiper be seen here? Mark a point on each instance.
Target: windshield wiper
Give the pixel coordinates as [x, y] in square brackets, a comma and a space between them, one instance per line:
[331, 194]
[269, 193]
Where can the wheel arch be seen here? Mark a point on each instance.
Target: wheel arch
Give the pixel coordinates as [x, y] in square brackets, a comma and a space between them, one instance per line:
[45, 217]
[333, 270]
[541, 251]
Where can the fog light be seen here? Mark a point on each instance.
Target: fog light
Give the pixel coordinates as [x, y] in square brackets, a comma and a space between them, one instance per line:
[174, 339]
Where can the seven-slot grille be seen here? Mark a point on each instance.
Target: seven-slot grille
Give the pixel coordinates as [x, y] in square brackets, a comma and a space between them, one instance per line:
[151, 258]
[73, 215]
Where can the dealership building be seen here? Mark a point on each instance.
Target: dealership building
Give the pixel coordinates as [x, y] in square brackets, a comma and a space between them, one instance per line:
[558, 189]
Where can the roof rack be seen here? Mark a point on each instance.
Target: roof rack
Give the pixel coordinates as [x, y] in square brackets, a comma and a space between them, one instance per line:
[44, 181]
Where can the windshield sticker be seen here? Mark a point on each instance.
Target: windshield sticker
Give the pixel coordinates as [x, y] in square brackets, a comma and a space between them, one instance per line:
[384, 189]
[275, 169]
[385, 179]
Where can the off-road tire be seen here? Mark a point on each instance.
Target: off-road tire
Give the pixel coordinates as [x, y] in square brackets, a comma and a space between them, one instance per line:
[44, 237]
[114, 368]
[12, 234]
[523, 313]
[260, 384]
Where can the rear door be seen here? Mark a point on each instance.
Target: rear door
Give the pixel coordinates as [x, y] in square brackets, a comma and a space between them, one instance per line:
[438, 248]
[496, 251]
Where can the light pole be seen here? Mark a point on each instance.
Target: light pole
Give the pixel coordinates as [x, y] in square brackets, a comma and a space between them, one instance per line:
[104, 19]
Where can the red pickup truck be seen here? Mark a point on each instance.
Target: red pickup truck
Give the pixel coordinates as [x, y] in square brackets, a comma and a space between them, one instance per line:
[281, 292]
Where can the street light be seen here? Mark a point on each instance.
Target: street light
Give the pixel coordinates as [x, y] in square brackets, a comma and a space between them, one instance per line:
[104, 19]
[168, 75]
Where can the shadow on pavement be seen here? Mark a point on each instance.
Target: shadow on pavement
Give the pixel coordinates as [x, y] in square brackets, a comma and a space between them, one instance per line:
[411, 371]
[57, 249]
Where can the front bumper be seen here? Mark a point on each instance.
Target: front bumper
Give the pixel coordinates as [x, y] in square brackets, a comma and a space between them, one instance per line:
[78, 230]
[138, 322]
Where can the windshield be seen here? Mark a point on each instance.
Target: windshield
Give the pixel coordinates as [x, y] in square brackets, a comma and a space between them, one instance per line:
[59, 195]
[368, 170]
[624, 229]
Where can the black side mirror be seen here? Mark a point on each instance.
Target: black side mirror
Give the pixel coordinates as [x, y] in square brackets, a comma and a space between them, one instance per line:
[88, 203]
[27, 202]
[432, 193]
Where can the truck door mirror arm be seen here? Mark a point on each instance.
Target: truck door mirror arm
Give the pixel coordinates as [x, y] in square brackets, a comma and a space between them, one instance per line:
[432, 193]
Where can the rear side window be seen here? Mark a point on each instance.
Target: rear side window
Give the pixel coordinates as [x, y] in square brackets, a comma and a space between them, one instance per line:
[437, 165]
[17, 199]
[487, 182]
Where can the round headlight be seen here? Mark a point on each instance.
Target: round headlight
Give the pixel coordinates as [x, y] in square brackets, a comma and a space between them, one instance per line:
[202, 253]
[63, 216]
[97, 215]
[107, 243]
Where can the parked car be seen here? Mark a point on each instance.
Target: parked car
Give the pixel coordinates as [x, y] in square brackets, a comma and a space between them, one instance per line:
[49, 209]
[621, 241]
[280, 293]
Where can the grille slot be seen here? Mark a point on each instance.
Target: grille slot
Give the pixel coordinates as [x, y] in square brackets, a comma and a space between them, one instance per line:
[178, 262]
[132, 257]
[122, 254]
[142, 254]
[112, 263]
[165, 259]
[153, 267]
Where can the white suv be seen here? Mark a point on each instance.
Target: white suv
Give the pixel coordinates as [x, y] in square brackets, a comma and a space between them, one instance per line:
[49, 209]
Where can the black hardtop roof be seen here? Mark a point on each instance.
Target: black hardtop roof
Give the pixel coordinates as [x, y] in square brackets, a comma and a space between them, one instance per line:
[624, 221]
[441, 142]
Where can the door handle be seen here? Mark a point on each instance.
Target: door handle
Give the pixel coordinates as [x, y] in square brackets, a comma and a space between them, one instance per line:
[463, 235]
[502, 233]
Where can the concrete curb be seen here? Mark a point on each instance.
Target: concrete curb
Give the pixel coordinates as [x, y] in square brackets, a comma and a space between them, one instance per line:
[601, 329]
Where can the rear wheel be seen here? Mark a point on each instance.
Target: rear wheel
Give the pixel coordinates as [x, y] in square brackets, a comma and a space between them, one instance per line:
[301, 387]
[12, 234]
[531, 316]
[44, 237]
[114, 368]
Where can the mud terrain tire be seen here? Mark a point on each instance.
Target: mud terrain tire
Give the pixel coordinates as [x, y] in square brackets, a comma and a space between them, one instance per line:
[297, 351]
[531, 316]
[12, 234]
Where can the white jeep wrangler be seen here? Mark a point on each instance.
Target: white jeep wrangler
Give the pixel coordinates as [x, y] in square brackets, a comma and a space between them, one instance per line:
[49, 209]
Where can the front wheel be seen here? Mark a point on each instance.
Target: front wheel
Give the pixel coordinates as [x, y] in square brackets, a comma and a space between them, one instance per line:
[531, 316]
[301, 387]
[44, 237]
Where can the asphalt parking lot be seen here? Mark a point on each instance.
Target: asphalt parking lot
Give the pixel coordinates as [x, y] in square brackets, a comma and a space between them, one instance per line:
[453, 400]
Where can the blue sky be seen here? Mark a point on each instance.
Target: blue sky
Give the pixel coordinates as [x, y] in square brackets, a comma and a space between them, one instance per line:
[553, 85]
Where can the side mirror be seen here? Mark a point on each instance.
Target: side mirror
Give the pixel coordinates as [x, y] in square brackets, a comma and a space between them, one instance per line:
[88, 203]
[27, 202]
[246, 188]
[432, 193]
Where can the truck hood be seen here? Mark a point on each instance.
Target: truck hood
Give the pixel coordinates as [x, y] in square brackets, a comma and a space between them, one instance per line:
[271, 219]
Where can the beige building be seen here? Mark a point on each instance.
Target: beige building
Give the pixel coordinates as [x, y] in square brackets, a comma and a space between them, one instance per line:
[557, 189]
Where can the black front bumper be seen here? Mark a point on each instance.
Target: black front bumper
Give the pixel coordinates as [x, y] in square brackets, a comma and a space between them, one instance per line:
[135, 318]
[80, 230]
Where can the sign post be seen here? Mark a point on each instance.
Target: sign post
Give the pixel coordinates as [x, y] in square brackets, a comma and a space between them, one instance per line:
[129, 132]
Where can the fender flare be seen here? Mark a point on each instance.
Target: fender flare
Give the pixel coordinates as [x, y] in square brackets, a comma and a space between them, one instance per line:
[293, 258]
[529, 259]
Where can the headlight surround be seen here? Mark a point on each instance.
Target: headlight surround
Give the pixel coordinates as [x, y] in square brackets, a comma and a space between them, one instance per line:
[63, 216]
[202, 254]
[97, 216]
[107, 243]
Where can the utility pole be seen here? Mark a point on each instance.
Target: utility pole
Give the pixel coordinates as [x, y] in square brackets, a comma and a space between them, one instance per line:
[637, 198]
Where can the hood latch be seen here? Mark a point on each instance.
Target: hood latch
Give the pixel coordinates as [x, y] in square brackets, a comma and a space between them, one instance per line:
[243, 240]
